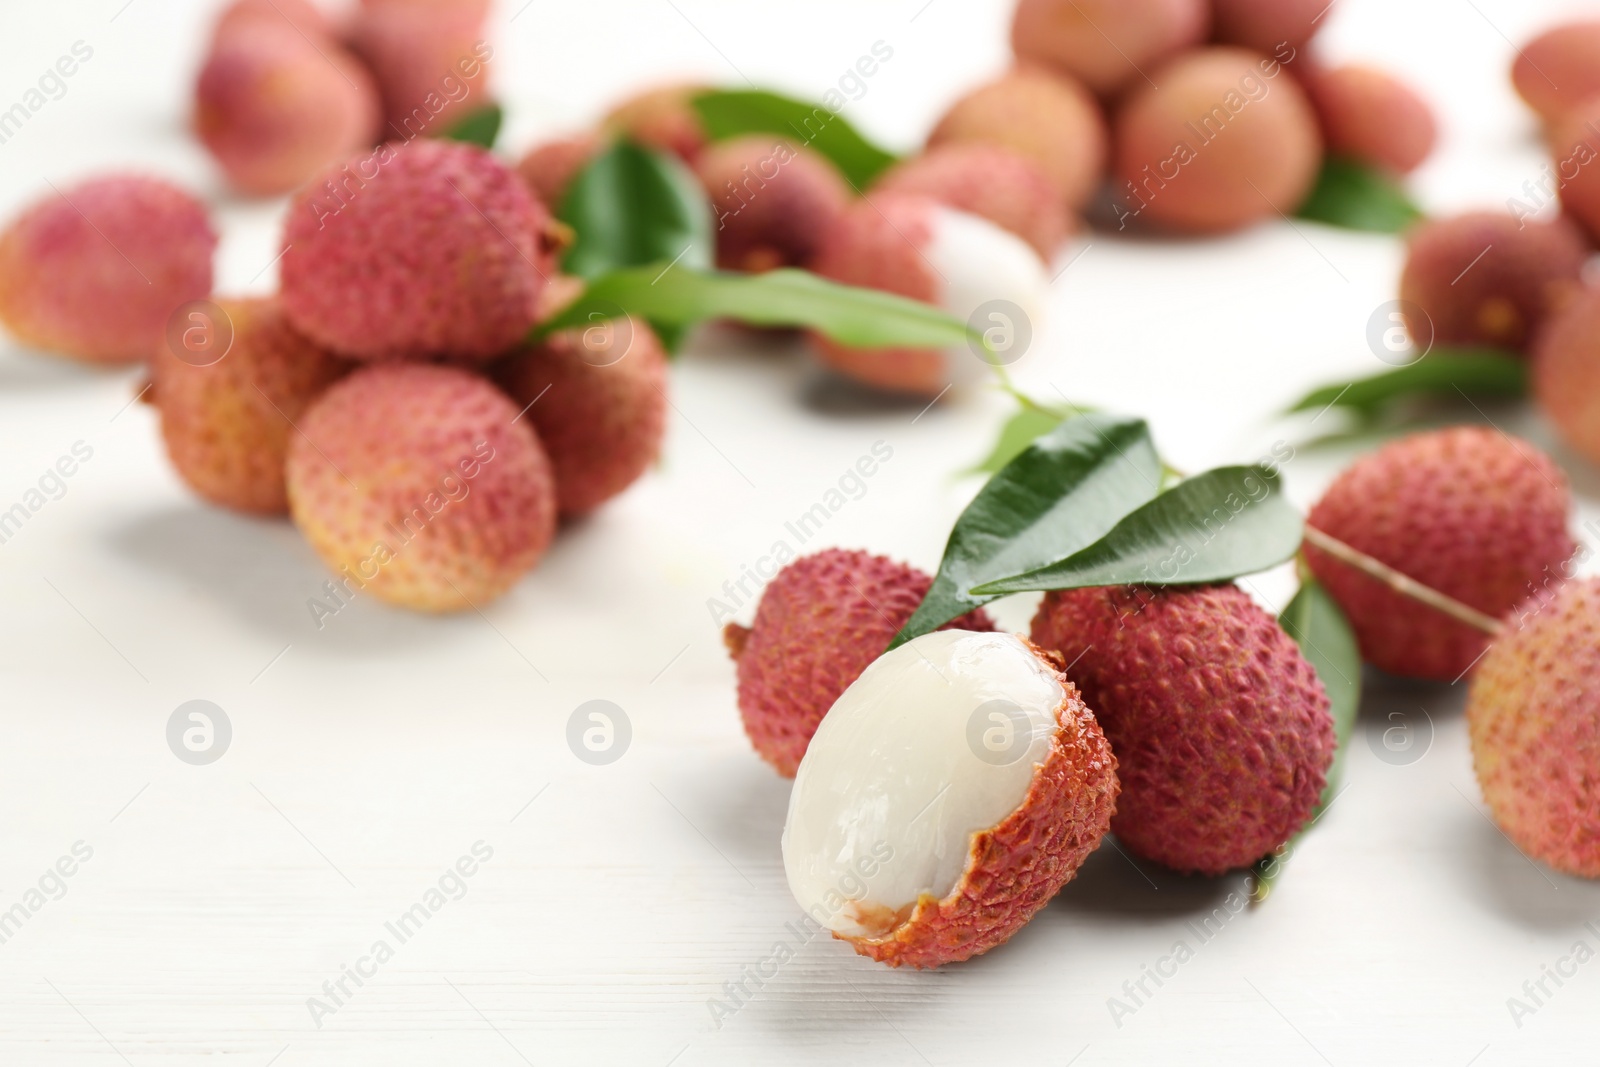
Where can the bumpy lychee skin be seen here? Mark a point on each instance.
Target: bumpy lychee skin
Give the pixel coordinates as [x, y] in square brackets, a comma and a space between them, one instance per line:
[95, 270]
[1195, 155]
[820, 622]
[413, 481]
[955, 787]
[773, 200]
[598, 399]
[1467, 511]
[664, 118]
[1566, 373]
[431, 63]
[431, 248]
[227, 423]
[1220, 726]
[549, 168]
[1487, 278]
[992, 182]
[1107, 43]
[1560, 69]
[1041, 114]
[274, 108]
[1269, 25]
[1535, 734]
[1372, 116]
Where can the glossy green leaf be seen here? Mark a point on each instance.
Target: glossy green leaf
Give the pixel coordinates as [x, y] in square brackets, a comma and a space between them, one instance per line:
[1019, 431]
[633, 206]
[678, 296]
[1213, 527]
[481, 127]
[1356, 196]
[1063, 491]
[1443, 371]
[737, 112]
[1317, 624]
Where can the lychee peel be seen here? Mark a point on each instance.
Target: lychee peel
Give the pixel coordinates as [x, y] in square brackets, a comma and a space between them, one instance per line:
[773, 200]
[662, 117]
[1221, 728]
[992, 182]
[1566, 373]
[549, 168]
[430, 61]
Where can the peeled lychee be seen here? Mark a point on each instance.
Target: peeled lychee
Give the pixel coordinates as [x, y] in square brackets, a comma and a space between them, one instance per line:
[415, 482]
[597, 397]
[227, 413]
[663, 118]
[1560, 69]
[1224, 139]
[1040, 114]
[918, 248]
[550, 168]
[274, 108]
[431, 63]
[432, 248]
[1469, 512]
[821, 621]
[1220, 726]
[1269, 25]
[95, 270]
[1108, 44]
[1372, 116]
[991, 182]
[773, 200]
[1566, 373]
[1535, 734]
[1487, 278]
[954, 788]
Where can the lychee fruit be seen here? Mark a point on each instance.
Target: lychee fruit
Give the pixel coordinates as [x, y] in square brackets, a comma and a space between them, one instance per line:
[773, 200]
[1040, 114]
[954, 788]
[430, 61]
[1574, 143]
[251, 16]
[549, 168]
[821, 621]
[1107, 44]
[1487, 278]
[1535, 734]
[230, 393]
[1221, 728]
[417, 483]
[597, 397]
[663, 118]
[273, 108]
[94, 270]
[1371, 116]
[991, 182]
[431, 248]
[1559, 70]
[1468, 512]
[1566, 373]
[1220, 145]
[917, 248]
[1270, 26]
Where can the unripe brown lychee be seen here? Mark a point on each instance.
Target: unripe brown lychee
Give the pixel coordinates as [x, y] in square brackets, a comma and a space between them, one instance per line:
[1220, 727]
[1372, 116]
[227, 423]
[989, 181]
[821, 620]
[1469, 512]
[773, 200]
[1486, 278]
[1107, 44]
[549, 168]
[1535, 733]
[1566, 373]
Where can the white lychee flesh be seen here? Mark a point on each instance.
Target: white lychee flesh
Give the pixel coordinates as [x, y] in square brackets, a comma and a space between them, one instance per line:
[976, 263]
[893, 787]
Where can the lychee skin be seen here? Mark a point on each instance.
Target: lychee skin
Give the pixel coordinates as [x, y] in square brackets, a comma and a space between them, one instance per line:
[992, 182]
[1466, 511]
[663, 118]
[431, 63]
[1487, 278]
[431, 248]
[274, 109]
[1041, 114]
[1268, 25]
[1566, 373]
[1559, 70]
[1369, 115]
[1106, 43]
[1220, 727]
[1535, 735]
[227, 424]
[820, 622]
[549, 168]
[95, 270]
[1574, 144]
[597, 398]
[773, 200]
[413, 482]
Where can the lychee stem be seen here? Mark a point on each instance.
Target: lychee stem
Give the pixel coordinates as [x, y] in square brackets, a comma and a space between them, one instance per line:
[1402, 584]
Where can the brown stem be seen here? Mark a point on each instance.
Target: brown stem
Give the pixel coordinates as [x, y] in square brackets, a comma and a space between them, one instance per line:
[1402, 584]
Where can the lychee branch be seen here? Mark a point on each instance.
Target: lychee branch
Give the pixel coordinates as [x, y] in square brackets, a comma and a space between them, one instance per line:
[1400, 583]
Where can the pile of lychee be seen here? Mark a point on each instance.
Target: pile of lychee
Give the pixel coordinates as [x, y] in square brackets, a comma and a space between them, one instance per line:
[947, 789]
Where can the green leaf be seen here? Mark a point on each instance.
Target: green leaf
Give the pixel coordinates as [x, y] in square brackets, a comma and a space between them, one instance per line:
[481, 127]
[1017, 434]
[1314, 620]
[633, 206]
[1062, 492]
[1474, 371]
[1355, 196]
[737, 112]
[676, 296]
[1211, 528]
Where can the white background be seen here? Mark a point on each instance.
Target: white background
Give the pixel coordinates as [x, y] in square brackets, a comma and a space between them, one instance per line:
[368, 756]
